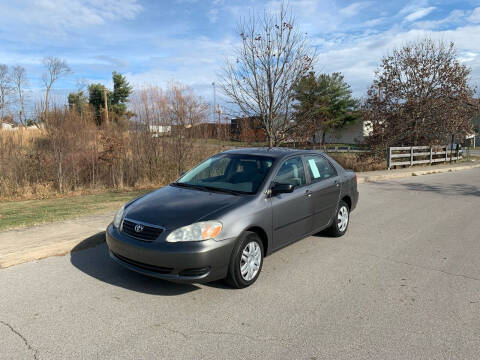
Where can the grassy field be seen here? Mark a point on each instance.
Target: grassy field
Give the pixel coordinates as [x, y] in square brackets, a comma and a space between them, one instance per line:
[16, 214]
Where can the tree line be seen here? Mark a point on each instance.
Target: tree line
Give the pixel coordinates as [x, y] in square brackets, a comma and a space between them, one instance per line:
[14, 84]
[420, 95]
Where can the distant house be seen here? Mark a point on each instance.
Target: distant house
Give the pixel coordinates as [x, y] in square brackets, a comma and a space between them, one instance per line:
[352, 134]
[8, 126]
[160, 129]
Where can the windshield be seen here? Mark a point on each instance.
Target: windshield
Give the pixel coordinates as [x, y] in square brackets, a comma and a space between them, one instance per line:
[229, 173]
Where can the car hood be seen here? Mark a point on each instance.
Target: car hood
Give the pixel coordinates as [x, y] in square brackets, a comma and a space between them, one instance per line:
[173, 207]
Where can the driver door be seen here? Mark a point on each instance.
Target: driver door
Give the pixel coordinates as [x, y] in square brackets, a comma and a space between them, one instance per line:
[292, 212]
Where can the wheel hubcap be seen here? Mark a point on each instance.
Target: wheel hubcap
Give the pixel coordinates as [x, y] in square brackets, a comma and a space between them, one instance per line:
[251, 260]
[342, 218]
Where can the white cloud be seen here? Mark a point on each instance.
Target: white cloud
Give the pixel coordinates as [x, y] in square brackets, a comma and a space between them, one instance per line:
[413, 5]
[467, 56]
[64, 14]
[196, 63]
[312, 15]
[359, 56]
[355, 8]
[419, 13]
[374, 22]
[213, 15]
[456, 17]
[475, 16]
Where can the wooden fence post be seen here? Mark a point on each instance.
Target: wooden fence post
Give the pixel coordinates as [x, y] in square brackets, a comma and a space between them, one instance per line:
[446, 153]
[411, 155]
[389, 157]
[431, 154]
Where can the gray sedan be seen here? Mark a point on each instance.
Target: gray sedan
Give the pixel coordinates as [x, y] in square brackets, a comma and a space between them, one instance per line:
[222, 217]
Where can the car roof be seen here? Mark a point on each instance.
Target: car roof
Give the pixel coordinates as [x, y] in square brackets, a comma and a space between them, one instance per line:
[274, 152]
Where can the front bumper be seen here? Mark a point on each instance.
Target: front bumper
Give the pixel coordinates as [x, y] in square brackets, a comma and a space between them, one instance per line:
[201, 261]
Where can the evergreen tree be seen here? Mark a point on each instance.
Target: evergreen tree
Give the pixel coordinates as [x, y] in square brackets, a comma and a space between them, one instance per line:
[324, 103]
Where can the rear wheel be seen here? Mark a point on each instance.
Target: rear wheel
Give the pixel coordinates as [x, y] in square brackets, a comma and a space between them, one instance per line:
[340, 222]
[246, 261]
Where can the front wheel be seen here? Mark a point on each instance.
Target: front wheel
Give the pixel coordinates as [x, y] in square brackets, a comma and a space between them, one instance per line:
[341, 220]
[246, 262]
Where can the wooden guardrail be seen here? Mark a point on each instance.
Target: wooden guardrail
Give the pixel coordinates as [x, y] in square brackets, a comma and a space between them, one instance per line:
[421, 155]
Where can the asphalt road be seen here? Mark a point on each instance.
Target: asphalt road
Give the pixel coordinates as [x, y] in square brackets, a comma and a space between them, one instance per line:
[404, 283]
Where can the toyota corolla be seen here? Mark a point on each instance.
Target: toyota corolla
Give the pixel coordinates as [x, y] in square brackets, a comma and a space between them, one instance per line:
[220, 219]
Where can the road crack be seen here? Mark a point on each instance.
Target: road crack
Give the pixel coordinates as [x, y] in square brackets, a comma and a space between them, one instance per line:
[212, 332]
[24, 339]
[253, 338]
[172, 330]
[421, 266]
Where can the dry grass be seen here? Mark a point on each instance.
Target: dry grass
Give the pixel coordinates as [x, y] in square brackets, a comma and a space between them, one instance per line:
[15, 214]
[77, 158]
[359, 162]
[72, 155]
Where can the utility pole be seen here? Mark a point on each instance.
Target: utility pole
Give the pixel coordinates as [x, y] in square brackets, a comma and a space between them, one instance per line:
[106, 103]
[214, 101]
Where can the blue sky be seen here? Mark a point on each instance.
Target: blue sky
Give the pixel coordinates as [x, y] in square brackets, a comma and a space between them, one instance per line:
[157, 42]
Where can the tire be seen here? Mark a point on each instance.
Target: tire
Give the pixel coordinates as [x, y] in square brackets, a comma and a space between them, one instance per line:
[341, 220]
[247, 255]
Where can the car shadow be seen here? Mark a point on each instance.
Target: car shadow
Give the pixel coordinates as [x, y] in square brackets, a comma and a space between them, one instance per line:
[323, 234]
[91, 257]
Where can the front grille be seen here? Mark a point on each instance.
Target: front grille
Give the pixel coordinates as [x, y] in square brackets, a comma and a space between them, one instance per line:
[148, 233]
[158, 269]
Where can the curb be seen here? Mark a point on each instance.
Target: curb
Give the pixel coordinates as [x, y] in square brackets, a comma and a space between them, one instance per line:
[372, 178]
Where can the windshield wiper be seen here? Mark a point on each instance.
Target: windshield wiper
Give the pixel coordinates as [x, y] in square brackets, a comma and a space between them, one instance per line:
[228, 191]
[206, 188]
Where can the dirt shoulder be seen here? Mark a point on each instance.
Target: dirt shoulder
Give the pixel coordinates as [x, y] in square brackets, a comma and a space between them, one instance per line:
[53, 239]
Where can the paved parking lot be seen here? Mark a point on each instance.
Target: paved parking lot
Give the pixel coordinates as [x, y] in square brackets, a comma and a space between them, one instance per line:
[404, 283]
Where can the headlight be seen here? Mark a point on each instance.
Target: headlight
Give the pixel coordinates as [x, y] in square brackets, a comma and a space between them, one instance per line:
[117, 220]
[196, 232]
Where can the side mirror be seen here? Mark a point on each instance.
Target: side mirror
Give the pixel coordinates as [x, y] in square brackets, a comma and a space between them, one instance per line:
[282, 189]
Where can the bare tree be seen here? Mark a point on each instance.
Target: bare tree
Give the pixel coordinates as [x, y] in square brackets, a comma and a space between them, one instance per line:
[55, 69]
[274, 54]
[183, 112]
[420, 96]
[5, 90]
[20, 81]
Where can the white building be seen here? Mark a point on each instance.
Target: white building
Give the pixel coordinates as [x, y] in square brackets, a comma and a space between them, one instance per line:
[159, 130]
[7, 126]
[350, 134]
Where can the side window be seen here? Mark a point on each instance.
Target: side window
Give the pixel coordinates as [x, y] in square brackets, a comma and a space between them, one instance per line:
[319, 168]
[291, 172]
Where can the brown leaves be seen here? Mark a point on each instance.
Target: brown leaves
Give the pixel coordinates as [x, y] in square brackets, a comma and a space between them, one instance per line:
[419, 96]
